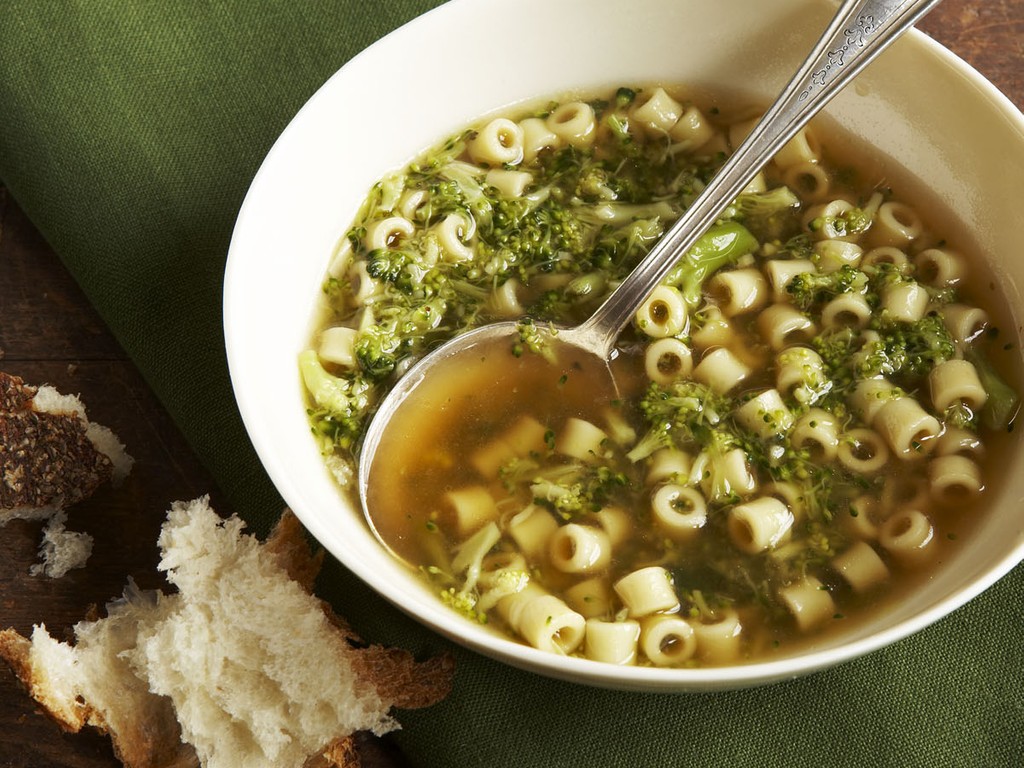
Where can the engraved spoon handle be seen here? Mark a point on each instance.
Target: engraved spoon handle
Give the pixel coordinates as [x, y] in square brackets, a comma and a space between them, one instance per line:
[860, 30]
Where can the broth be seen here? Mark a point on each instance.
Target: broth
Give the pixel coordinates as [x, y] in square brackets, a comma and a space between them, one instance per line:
[798, 436]
[426, 459]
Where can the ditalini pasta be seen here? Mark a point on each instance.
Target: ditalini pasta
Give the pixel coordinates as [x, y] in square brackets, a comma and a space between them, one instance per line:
[498, 143]
[809, 602]
[721, 370]
[574, 123]
[575, 548]
[832, 255]
[759, 524]
[782, 325]
[802, 414]
[545, 621]
[667, 640]
[739, 291]
[679, 511]
[591, 597]
[954, 479]
[804, 147]
[810, 178]
[657, 112]
[908, 535]
[663, 314]
[338, 346]
[668, 359]
[614, 642]
[647, 591]
[861, 567]
[668, 464]
[719, 637]
[537, 137]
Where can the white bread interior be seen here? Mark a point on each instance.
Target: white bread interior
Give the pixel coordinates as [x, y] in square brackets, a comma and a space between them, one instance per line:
[241, 667]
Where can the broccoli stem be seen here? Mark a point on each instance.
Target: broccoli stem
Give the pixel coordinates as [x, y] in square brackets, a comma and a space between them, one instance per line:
[340, 397]
[327, 391]
[1003, 401]
[720, 246]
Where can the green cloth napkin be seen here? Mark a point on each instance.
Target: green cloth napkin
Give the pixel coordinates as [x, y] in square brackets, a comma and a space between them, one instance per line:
[129, 133]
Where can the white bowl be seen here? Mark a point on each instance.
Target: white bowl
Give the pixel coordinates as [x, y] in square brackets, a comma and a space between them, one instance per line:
[918, 103]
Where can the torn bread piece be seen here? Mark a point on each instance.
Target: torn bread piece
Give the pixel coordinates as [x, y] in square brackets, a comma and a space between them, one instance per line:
[51, 455]
[61, 550]
[242, 666]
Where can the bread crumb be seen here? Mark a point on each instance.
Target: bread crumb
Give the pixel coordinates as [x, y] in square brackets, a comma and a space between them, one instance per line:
[61, 550]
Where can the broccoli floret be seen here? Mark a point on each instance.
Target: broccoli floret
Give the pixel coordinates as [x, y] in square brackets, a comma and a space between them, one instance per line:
[534, 339]
[809, 289]
[336, 290]
[846, 224]
[575, 489]
[341, 402]
[836, 349]
[624, 97]
[619, 126]
[522, 231]
[463, 602]
[391, 266]
[763, 204]
[721, 245]
[593, 184]
[519, 470]
[797, 247]
[958, 414]
[381, 200]
[626, 244]
[677, 413]
[654, 439]
[769, 214]
[552, 304]
[904, 348]
[500, 584]
[443, 197]
[713, 465]
[378, 348]
[885, 275]
[466, 572]
[469, 180]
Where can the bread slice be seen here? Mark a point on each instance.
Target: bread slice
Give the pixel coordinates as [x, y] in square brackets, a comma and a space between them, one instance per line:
[242, 666]
[51, 455]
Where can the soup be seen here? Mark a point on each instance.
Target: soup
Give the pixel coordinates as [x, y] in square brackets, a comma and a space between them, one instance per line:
[801, 411]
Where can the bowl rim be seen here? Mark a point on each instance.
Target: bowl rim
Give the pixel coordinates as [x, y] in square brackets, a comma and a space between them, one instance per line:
[510, 651]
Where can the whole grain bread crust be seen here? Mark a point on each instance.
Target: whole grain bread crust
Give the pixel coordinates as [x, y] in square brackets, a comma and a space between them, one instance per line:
[46, 459]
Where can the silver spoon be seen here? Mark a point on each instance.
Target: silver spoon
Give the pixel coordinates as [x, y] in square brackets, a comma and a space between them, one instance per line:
[858, 33]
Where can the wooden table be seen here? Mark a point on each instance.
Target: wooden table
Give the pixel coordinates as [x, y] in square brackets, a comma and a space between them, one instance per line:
[50, 334]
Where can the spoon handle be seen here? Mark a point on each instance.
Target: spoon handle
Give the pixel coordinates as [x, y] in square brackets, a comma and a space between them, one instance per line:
[860, 30]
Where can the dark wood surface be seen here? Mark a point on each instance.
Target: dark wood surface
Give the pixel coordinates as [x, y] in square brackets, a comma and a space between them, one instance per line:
[50, 334]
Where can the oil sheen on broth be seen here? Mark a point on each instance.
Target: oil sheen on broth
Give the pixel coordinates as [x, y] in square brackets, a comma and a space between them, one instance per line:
[802, 414]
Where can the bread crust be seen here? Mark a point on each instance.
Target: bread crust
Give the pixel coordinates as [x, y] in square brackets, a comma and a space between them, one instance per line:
[46, 459]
